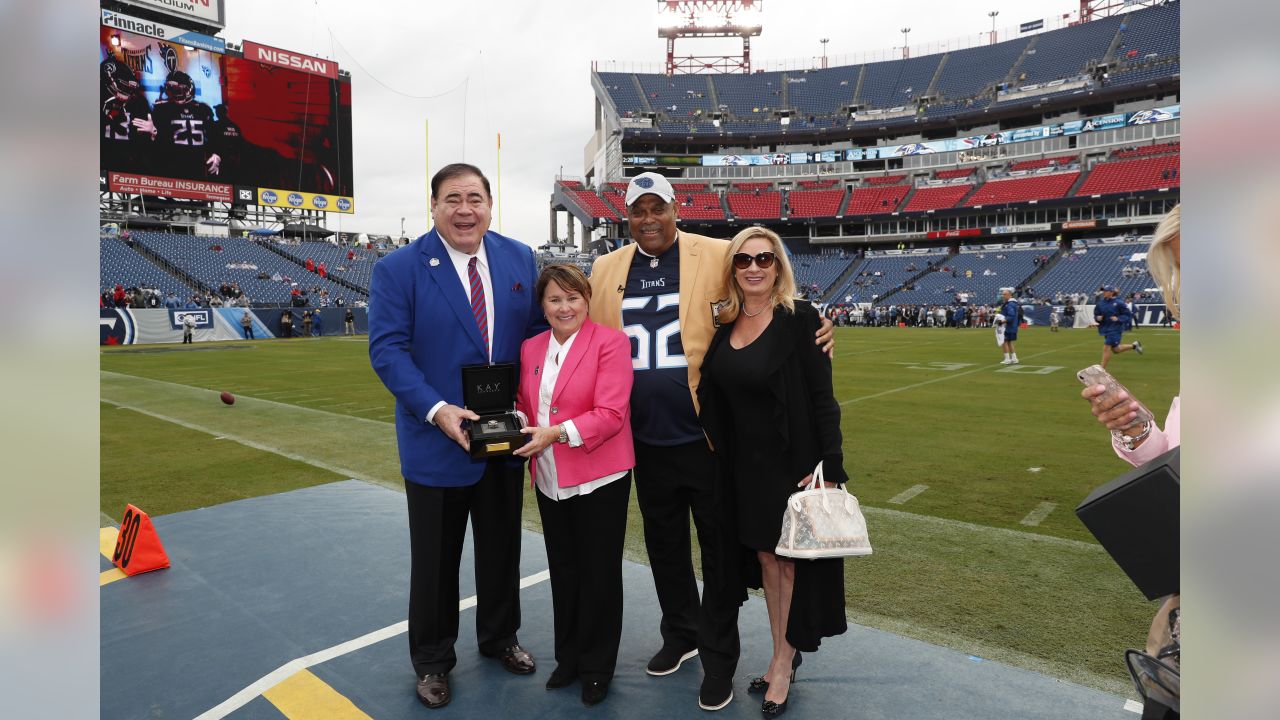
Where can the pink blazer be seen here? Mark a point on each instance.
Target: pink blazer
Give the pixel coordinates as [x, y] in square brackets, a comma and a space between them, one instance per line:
[1158, 442]
[594, 391]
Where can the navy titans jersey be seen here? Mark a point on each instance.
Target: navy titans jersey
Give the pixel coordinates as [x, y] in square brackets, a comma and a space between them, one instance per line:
[661, 406]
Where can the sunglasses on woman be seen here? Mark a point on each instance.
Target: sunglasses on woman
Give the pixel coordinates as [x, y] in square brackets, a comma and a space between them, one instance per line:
[764, 260]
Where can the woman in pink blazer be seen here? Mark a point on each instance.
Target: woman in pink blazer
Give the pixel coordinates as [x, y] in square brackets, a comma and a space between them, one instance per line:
[575, 391]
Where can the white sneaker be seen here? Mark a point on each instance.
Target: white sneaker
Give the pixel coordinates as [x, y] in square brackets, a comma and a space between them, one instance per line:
[1137, 346]
[1006, 361]
[1013, 361]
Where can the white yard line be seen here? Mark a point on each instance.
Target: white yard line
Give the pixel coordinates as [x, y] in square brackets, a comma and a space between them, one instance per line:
[907, 494]
[275, 677]
[1037, 516]
[951, 377]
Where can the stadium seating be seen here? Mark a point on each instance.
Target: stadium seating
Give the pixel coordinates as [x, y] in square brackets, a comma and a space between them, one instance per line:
[876, 200]
[1147, 150]
[980, 274]
[937, 198]
[1061, 160]
[884, 180]
[705, 206]
[821, 269]
[821, 92]
[818, 184]
[753, 186]
[897, 82]
[571, 184]
[1084, 270]
[750, 96]
[688, 187]
[197, 256]
[120, 264]
[621, 87]
[592, 203]
[953, 174]
[358, 271]
[878, 274]
[815, 203]
[1037, 187]
[687, 93]
[1151, 34]
[1133, 175]
[969, 72]
[1066, 53]
[752, 206]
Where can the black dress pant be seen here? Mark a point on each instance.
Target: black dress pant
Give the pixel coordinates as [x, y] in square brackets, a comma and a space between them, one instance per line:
[672, 482]
[584, 537]
[437, 527]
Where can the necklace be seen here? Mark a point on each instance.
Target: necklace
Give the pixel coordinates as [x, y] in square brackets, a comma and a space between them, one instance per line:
[753, 314]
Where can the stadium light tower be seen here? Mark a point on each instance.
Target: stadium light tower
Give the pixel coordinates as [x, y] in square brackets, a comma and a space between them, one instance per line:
[993, 15]
[703, 19]
[824, 42]
[906, 49]
[1094, 9]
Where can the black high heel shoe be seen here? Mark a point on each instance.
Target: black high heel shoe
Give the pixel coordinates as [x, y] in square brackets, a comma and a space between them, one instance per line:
[760, 685]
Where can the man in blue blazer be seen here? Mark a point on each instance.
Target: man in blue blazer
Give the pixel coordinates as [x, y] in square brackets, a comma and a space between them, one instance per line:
[459, 295]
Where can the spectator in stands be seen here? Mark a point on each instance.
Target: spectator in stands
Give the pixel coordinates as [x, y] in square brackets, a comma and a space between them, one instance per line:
[322, 270]
[171, 301]
[310, 265]
[1012, 312]
[1112, 317]
[192, 303]
[762, 374]
[675, 469]
[246, 324]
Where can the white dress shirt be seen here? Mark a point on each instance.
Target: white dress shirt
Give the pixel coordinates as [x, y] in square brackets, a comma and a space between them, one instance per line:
[460, 261]
[545, 460]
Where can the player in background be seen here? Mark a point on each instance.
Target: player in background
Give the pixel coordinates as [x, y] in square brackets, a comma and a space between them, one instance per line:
[1010, 310]
[125, 112]
[183, 129]
[1113, 316]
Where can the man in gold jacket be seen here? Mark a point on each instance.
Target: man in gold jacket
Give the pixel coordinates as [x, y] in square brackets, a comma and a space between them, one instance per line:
[664, 291]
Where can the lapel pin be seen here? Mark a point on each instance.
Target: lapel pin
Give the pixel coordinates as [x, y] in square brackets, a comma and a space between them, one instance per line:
[434, 262]
[517, 287]
[554, 409]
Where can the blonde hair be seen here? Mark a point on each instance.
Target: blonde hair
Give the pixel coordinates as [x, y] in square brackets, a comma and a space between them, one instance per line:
[784, 288]
[1165, 267]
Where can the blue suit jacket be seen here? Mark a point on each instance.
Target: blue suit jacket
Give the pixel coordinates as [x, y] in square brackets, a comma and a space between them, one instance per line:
[421, 333]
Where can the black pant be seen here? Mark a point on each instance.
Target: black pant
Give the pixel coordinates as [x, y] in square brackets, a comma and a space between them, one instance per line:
[186, 337]
[670, 483]
[584, 537]
[437, 526]
[248, 332]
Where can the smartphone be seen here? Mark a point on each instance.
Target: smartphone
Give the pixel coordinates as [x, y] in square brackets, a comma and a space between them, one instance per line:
[1097, 375]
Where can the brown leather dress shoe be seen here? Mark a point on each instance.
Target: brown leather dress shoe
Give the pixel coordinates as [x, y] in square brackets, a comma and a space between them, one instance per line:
[433, 691]
[517, 660]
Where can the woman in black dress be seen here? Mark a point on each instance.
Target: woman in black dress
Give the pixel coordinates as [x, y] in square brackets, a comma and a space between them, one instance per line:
[769, 410]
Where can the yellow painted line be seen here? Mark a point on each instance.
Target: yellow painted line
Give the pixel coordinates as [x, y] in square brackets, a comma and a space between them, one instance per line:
[107, 546]
[303, 696]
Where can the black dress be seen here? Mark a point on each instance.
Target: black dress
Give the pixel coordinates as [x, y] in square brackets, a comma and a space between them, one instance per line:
[761, 480]
[771, 415]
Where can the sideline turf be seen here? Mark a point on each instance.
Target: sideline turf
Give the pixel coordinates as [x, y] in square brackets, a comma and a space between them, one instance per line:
[953, 565]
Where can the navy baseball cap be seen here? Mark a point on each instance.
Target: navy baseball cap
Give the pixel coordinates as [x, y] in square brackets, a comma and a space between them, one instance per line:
[1109, 288]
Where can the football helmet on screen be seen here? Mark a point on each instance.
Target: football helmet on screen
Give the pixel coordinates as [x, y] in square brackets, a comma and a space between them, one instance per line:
[179, 87]
[118, 79]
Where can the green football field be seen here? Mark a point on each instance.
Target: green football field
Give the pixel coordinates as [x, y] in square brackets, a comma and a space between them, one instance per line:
[968, 471]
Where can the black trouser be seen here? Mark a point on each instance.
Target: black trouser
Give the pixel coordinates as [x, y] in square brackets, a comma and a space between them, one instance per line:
[584, 536]
[437, 526]
[248, 332]
[670, 483]
[186, 337]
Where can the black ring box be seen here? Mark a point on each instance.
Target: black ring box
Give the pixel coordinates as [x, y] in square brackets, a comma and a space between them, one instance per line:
[1135, 518]
[490, 392]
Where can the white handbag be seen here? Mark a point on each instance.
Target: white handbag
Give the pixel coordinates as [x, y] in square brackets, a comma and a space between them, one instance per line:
[823, 521]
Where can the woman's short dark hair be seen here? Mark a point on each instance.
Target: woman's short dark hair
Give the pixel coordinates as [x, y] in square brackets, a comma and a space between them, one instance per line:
[449, 172]
[568, 277]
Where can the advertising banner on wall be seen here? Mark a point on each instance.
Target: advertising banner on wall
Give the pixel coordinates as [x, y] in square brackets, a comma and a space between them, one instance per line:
[211, 12]
[291, 60]
[161, 31]
[305, 201]
[169, 187]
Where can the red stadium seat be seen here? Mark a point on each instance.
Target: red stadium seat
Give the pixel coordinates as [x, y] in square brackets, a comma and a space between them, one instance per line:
[815, 203]
[1037, 187]
[884, 180]
[876, 200]
[705, 206]
[750, 206]
[1133, 175]
[593, 204]
[936, 198]
[952, 174]
[1147, 150]
[1062, 160]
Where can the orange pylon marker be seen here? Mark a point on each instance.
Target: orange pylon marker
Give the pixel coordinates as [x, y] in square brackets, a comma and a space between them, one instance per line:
[138, 547]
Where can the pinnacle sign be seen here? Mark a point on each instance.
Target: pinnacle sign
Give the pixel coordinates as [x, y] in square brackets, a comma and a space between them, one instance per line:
[292, 60]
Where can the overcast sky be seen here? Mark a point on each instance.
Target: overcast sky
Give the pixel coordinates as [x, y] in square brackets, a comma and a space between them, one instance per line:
[473, 69]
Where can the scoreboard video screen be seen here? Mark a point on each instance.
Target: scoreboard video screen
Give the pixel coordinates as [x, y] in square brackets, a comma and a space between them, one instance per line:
[187, 122]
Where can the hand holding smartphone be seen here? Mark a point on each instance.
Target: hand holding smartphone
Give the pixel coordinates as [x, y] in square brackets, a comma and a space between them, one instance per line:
[1097, 375]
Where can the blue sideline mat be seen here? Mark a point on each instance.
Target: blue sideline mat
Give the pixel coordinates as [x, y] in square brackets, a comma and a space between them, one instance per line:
[258, 583]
